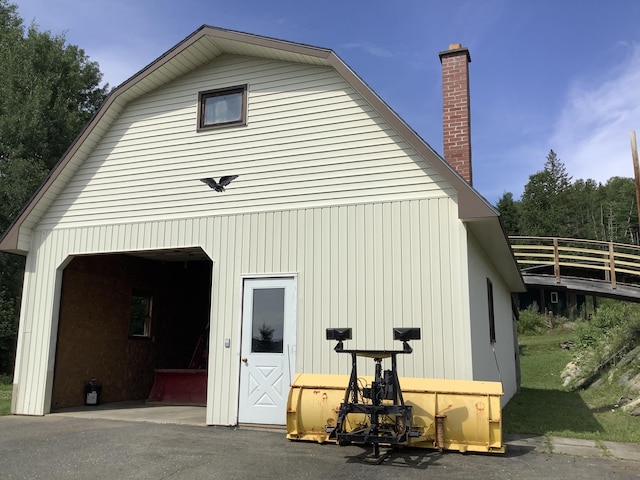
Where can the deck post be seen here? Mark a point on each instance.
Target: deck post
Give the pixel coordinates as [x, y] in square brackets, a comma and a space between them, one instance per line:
[556, 260]
[612, 265]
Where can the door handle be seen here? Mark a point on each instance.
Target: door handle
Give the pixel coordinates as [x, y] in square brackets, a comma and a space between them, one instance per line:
[245, 359]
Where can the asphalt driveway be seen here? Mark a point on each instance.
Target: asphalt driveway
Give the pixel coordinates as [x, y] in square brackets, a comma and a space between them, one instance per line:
[58, 447]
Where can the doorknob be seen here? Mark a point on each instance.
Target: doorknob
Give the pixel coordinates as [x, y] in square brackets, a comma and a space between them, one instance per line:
[245, 359]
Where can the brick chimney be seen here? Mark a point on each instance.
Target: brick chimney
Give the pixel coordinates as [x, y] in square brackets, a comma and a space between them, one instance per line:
[456, 111]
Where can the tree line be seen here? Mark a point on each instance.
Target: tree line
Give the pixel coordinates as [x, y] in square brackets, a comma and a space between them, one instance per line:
[49, 90]
[553, 205]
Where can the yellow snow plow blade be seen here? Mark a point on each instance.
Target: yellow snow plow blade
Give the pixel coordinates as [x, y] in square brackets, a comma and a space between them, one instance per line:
[447, 414]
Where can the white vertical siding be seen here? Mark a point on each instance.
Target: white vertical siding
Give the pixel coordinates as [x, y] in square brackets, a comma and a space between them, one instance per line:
[370, 267]
[34, 353]
[310, 141]
[491, 362]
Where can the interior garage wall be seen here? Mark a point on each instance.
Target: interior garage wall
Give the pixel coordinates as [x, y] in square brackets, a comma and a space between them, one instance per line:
[93, 340]
[183, 311]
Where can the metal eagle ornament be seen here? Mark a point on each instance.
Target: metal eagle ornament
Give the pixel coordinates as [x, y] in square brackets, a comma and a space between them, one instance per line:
[219, 186]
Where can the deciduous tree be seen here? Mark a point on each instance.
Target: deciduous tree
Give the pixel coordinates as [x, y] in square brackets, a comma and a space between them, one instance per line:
[48, 91]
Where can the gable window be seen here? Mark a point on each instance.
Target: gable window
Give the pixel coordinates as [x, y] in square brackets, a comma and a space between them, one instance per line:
[140, 319]
[222, 107]
[492, 319]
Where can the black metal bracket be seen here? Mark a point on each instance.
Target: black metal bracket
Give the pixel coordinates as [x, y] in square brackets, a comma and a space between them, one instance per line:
[388, 418]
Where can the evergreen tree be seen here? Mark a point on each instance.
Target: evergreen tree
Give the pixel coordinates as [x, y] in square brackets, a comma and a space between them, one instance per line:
[509, 212]
[544, 205]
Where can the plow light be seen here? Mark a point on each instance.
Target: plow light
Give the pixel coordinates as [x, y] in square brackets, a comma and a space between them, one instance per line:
[338, 334]
[406, 334]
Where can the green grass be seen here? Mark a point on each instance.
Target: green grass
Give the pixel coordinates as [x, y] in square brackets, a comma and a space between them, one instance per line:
[545, 407]
[5, 399]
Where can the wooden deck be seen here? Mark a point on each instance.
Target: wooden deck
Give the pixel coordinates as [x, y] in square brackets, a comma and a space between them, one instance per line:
[585, 266]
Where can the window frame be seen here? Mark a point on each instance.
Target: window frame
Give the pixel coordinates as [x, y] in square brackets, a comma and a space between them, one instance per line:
[148, 315]
[218, 92]
[491, 307]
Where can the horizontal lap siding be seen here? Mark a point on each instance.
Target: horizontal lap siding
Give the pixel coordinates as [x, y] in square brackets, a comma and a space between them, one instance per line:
[370, 266]
[310, 141]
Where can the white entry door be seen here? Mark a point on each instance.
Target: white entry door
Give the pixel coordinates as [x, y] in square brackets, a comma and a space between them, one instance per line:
[268, 349]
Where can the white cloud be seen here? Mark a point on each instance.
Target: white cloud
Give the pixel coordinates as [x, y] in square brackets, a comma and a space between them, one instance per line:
[369, 48]
[592, 134]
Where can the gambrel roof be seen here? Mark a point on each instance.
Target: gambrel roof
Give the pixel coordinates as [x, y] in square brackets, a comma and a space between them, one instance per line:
[200, 48]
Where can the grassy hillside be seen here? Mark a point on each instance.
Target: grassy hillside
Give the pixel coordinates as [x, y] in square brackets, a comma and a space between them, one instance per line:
[545, 407]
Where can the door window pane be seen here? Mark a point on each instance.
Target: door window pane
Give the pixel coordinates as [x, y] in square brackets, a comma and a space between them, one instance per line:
[268, 320]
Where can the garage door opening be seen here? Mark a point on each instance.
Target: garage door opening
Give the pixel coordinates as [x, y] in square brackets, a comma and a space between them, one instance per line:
[126, 317]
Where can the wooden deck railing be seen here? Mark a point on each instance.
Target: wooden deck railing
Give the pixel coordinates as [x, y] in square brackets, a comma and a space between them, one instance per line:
[612, 260]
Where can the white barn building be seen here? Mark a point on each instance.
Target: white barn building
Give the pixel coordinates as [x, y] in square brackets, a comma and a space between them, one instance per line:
[340, 216]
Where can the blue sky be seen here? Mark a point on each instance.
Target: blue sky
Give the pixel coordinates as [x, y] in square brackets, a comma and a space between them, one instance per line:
[561, 74]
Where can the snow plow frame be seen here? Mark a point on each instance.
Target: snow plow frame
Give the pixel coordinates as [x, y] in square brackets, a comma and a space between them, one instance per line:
[461, 415]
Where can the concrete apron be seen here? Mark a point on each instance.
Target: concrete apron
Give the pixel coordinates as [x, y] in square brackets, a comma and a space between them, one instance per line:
[139, 412]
